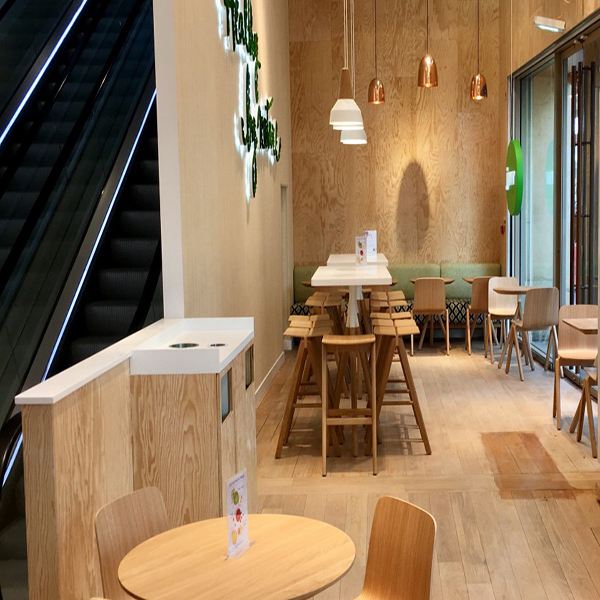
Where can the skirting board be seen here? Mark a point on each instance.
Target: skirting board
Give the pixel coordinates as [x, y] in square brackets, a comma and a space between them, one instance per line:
[266, 382]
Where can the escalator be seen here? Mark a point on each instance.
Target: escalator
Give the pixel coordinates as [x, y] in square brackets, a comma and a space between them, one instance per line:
[80, 263]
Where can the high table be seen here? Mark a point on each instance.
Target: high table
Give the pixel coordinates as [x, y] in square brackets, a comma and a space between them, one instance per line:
[353, 276]
[336, 260]
[292, 557]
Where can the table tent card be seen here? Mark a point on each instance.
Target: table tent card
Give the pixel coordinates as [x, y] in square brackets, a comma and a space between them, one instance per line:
[237, 515]
[371, 235]
[361, 249]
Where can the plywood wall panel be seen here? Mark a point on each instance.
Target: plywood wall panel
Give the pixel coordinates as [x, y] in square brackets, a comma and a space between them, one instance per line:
[432, 158]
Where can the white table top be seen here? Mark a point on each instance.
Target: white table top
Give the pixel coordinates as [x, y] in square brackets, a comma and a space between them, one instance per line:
[351, 275]
[336, 260]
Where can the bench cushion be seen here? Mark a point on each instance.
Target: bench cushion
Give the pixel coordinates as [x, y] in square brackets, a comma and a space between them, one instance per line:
[404, 272]
[301, 292]
[461, 289]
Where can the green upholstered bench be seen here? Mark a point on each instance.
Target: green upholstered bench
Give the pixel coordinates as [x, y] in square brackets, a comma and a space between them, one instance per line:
[458, 294]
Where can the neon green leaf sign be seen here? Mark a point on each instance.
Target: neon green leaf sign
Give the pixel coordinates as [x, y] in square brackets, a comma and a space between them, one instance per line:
[257, 130]
[514, 177]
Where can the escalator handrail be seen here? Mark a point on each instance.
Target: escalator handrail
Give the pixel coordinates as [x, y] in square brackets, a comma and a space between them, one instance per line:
[148, 292]
[26, 138]
[27, 90]
[74, 136]
[10, 441]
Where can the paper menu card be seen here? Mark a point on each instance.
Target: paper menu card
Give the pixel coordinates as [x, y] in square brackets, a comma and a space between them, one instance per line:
[371, 235]
[237, 515]
[361, 249]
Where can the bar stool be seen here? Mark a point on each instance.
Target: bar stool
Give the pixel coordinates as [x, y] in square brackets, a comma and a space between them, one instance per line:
[390, 331]
[575, 349]
[585, 404]
[430, 300]
[539, 313]
[332, 415]
[309, 330]
[501, 307]
[388, 302]
[479, 307]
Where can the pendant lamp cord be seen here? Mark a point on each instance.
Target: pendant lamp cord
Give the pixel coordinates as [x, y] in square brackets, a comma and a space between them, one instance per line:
[477, 36]
[376, 38]
[512, 91]
[427, 34]
[345, 34]
[352, 48]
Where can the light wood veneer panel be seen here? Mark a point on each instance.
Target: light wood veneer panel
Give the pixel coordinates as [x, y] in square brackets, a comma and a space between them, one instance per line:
[176, 442]
[77, 457]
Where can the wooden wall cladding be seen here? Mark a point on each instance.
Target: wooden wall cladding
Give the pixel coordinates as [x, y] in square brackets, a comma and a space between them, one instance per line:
[428, 179]
[77, 457]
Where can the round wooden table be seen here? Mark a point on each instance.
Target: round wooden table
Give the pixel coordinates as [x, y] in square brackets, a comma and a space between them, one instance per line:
[447, 280]
[292, 557]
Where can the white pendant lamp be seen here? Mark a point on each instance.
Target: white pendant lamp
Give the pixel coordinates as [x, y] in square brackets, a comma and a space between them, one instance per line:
[356, 137]
[345, 114]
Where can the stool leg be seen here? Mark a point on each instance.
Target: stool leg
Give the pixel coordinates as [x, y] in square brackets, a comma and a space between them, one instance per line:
[592, 427]
[354, 401]
[556, 404]
[374, 411]
[324, 401]
[582, 410]
[424, 331]
[431, 330]
[468, 331]
[288, 416]
[577, 415]
[491, 338]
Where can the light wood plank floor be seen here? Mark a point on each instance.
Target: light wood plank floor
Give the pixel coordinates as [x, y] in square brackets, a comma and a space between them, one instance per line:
[514, 498]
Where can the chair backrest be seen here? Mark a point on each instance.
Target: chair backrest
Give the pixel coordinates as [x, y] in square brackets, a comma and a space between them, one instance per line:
[498, 301]
[479, 294]
[400, 555]
[541, 308]
[121, 526]
[568, 337]
[430, 295]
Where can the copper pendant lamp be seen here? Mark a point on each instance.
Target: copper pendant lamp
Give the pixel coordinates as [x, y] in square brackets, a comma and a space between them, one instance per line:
[478, 83]
[376, 93]
[428, 76]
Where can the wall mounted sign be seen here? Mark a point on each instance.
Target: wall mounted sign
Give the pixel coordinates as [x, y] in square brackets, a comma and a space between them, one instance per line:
[514, 177]
[256, 132]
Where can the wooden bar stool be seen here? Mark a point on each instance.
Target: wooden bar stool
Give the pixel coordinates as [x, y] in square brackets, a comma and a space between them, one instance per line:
[309, 330]
[388, 302]
[357, 347]
[585, 404]
[390, 331]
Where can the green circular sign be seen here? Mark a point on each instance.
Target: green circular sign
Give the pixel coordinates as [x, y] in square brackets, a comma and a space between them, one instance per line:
[514, 177]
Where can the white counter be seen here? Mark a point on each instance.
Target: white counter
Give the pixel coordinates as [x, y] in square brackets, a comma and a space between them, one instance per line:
[150, 354]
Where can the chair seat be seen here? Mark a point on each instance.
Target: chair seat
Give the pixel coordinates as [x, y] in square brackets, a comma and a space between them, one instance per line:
[578, 355]
[592, 374]
[503, 313]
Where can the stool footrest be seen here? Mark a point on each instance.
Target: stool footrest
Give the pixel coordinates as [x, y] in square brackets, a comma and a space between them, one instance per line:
[349, 421]
[349, 412]
[307, 405]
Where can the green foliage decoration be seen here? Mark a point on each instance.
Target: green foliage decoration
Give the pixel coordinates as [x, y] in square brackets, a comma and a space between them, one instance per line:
[258, 130]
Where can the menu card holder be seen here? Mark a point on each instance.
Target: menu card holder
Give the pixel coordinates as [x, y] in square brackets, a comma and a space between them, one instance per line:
[371, 235]
[361, 249]
[237, 515]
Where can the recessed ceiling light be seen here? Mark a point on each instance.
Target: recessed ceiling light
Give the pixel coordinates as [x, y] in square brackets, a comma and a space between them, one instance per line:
[554, 25]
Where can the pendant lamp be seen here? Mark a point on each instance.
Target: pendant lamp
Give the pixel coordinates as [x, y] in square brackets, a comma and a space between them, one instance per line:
[345, 113]
[428, 76]
[354, 137]
[376, 93]
[478, 83]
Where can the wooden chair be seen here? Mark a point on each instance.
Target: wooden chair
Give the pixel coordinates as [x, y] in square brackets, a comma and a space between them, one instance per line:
[585, 404]
[306, 378]
[390, 330]
[430, 300]
[355, 349]
[400, 558]
[575, 349]
[478, 307]
[501, 308]
[121, 526]
[539, 313]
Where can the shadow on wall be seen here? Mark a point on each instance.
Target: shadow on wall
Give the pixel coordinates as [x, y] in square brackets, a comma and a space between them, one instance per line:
[413, 213]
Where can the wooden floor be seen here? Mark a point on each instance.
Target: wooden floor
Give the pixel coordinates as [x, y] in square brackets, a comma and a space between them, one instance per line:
[514, 498]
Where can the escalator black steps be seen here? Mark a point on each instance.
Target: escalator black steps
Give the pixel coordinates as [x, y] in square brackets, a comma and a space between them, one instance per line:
[82, 348]
[148, 171]
[132, 252]
[140, 223]
[145, 196]
[109, 317]
[12, 540]
[16, 205]
[121, 284]
[152, 145]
